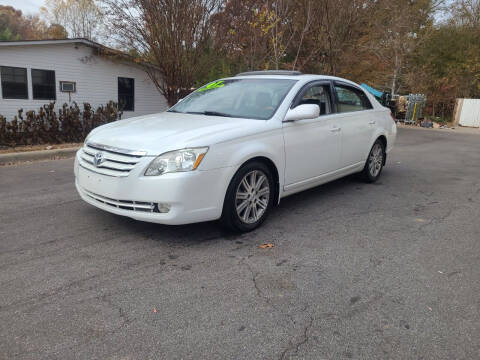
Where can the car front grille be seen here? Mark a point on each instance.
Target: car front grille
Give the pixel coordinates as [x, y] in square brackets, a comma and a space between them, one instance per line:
[115, 162]
[142, 206]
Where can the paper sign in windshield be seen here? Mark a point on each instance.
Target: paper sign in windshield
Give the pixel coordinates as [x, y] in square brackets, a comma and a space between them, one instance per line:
[211, 86]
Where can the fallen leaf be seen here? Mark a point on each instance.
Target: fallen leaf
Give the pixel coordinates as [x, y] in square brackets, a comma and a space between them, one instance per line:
[266, 246]
[420, 220]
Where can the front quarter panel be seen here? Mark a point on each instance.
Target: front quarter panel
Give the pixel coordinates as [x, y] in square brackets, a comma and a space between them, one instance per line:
[234, 153]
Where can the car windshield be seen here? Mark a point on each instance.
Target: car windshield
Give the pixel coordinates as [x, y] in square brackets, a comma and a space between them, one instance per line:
[239, 98]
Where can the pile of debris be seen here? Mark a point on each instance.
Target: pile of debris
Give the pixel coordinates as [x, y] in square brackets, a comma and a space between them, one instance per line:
[426, 123]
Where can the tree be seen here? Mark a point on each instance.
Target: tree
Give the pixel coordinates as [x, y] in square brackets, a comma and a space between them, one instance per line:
[173, 36]
[275, 21]
[264, 34]
[395, 45]
[337, 33]
[447, 64]
[399, 27]
[80, 18]
[11, 21]
[466, 12]
[15, 26]
[57, 31]
[238, 35]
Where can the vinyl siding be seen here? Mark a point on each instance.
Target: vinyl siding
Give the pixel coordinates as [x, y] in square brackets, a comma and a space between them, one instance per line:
[96, 78]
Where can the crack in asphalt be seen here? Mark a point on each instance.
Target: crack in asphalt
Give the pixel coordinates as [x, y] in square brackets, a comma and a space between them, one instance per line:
[304, 337]
[254, 281]
[259, 291]
[302, 341]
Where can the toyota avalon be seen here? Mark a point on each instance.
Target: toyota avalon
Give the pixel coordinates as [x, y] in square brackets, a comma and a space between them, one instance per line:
[234, 148]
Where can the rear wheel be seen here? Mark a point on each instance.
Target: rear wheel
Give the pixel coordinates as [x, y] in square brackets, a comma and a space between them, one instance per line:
[374, 165]
[249, 198]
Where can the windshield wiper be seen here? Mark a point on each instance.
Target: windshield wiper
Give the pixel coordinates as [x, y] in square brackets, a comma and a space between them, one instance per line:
[209, 113]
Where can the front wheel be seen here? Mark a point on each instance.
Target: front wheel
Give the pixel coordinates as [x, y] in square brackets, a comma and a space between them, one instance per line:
[249, 198]
[375, 161]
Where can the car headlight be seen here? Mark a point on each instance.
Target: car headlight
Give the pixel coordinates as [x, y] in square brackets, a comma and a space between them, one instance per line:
[176, 161]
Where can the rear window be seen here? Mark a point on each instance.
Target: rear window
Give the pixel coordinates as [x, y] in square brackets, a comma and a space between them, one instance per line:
[350, 99]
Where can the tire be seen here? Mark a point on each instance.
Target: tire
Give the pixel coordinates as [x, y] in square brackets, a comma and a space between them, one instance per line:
[375, 162]
[245, 207]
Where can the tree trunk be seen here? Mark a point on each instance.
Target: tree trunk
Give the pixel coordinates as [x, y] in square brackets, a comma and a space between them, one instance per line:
[395, 74]
[394, 81]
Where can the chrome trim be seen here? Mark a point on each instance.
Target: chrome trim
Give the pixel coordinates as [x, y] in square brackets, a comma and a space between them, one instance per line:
[116, 164]
[116, 150]
[130, 205]
[91, 153]
[101, 166]
[97, 172]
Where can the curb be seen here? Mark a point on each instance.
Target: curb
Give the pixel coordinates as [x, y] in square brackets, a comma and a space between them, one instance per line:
[12, 158]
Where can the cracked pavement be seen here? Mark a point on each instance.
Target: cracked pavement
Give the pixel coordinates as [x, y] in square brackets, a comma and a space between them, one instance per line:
[358, 271]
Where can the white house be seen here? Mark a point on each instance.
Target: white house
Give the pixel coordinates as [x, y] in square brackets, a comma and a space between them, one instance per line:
[33, 73]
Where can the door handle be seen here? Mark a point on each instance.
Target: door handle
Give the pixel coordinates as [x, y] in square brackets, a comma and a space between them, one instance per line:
[335, 129]
[373, 122]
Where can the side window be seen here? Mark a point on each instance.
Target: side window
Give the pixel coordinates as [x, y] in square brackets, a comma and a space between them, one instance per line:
[14, 82]
[318, 95]
[350, 99]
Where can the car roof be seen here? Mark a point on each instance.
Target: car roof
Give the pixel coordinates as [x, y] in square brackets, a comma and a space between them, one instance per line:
[303, 78]
[288, 76]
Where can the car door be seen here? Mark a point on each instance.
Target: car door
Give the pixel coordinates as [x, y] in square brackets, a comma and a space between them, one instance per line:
[312, 146]
[354, 112]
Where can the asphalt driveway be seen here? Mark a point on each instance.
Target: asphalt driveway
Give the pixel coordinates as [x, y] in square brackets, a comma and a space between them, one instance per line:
[384, 271]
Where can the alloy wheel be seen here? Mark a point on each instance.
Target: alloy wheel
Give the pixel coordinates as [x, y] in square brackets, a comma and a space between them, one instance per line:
[252, 197]
[375, 161]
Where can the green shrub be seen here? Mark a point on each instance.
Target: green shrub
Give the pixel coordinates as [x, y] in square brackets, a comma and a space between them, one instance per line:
[47, 127]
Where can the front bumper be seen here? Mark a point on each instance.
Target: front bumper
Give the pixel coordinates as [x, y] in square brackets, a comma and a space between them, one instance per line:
[194, 196]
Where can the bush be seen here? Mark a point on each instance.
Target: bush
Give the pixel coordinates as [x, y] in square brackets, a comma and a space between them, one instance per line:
[47, 127]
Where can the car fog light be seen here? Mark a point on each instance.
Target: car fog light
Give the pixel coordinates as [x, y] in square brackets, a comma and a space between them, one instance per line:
[163, 208]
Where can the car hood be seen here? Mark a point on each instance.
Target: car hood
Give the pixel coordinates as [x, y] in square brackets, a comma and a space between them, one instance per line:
[167, 131]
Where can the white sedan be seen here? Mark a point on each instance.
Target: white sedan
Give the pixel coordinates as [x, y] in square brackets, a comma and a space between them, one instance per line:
[234, 148]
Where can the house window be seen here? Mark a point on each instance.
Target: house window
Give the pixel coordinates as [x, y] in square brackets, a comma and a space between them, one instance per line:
[14, 83]
[126, 94]
[43, 84]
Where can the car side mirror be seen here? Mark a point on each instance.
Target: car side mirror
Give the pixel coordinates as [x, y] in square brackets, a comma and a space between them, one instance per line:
[302, 112]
